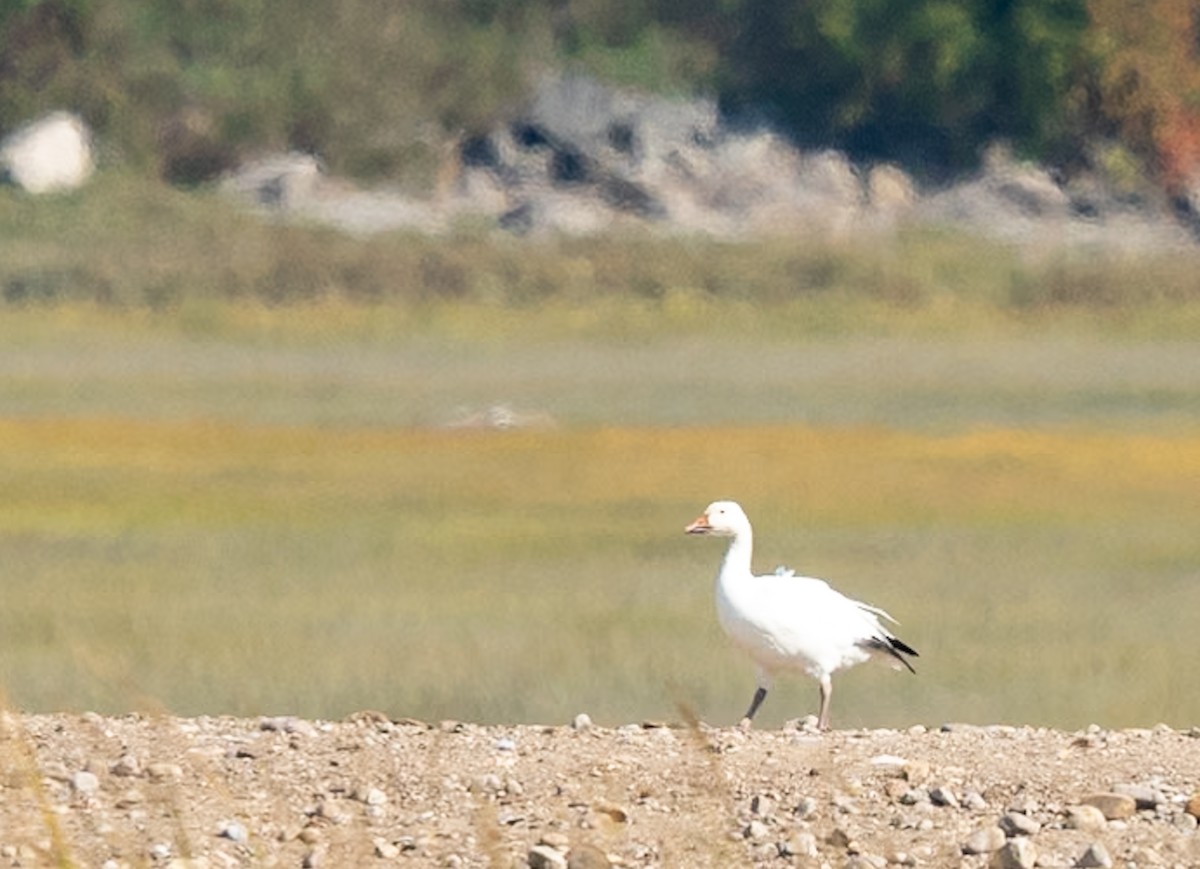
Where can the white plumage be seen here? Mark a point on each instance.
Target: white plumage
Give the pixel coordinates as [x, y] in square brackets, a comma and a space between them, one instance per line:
[784, 621]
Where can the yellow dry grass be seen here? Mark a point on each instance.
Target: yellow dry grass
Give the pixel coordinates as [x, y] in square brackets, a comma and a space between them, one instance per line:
[1046, 576]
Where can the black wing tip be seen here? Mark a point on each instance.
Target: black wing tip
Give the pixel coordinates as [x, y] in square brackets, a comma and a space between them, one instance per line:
[896, 648]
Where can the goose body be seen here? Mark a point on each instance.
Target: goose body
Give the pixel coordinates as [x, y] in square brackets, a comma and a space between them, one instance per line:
[789, 622]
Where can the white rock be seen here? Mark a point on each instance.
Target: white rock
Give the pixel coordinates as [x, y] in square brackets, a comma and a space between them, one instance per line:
[1087, 818]
[582, 721]
[85, 782]
[984, 841]
[49, 154]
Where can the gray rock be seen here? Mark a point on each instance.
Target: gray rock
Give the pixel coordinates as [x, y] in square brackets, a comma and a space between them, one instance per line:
[1016, 854]
[1017, 824]
[984, 841]
[1095, 857]
[582, 721]
[943, 797]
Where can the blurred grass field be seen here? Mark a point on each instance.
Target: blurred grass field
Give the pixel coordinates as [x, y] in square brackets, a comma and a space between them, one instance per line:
[243, 509]
[229, 485]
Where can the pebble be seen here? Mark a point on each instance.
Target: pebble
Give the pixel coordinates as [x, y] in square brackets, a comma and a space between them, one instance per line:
[806, 808]
[1193, 806]
[504, 743]
[984, 841]
[1017, 824]
[84, 782]
[128, 765]
[160, 771]
[234, 832]
[545, 857]
[1095, 857]
[799, 845]
[1017, 853]
[385, 849]
[974, 801]
[756, 830]
[582, 721]
[1088, 818]
[943, 797]
[1114, 806]
[916, 772]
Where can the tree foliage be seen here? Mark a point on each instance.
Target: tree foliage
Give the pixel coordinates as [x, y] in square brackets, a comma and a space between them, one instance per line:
[376, 86]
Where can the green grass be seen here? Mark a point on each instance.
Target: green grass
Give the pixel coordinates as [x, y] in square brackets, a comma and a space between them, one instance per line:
[228, 486]
[1046, 578]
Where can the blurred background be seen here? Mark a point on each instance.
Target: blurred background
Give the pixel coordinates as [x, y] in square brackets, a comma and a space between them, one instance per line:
[254, 463]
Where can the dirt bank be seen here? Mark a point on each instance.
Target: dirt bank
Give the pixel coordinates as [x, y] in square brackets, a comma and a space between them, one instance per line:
[220, 792]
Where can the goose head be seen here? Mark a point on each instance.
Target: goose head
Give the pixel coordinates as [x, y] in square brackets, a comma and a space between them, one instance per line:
[721, 519]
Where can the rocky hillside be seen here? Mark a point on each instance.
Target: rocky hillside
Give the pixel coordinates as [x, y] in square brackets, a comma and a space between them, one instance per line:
[583, 158]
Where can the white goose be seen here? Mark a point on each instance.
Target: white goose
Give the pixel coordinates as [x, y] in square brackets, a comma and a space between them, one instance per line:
[784, 621]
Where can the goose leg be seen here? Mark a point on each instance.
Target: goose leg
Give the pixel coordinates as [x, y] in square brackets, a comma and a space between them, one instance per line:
[826, 693]
[759, 696]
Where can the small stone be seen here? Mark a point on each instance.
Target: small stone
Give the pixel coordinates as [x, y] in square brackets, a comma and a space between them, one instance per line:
[1144, 797]
[373, 797]
[1114, 806]
[865, 861]
[587, 857]
[160, 771]
[974, 801]
[1193, 806]
[756, 830]
[806, 808]
[838, 838]
[385, 849]
[1088, 818]
[545, 857]
[1018, 853]
[487, 784]
[314, 858]
[916, 771]
[160, 851]
[1095, 857]
[84, 782]
[234, 832]
[912, 796]
[1185, 822]
[984, 841]
[128, 765]
[505, 743]
[799, 845]
[555, 840]
[1017, 824]
[582, 721]
[943, 797]
[1147, 857]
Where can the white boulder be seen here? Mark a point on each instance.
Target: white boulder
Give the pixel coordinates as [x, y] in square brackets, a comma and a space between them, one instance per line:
[49, 154]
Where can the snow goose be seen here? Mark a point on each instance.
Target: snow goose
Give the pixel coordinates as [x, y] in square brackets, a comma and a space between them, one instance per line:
[784, 621]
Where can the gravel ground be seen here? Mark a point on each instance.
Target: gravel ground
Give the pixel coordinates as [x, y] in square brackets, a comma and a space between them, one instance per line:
[86, 790]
